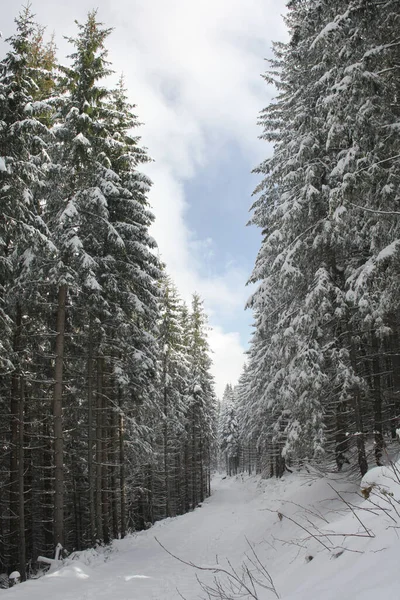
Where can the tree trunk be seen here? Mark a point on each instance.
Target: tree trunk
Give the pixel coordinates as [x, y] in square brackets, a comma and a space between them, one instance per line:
[99, 453]
[92, 513]
[377, 392]
[104, 461]
[341, 439]
[14, 415]
[165, 435]
[201, 490]
[187, 475]
[122, 468]
[21, 490]
[57, 420]
[194, 463]
[77, 530]
[114, 471]
[357, 410]
[395, 368]
[209, 471]
[47, 488]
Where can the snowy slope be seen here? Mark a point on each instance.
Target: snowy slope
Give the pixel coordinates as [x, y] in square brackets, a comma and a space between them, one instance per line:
[287, 522]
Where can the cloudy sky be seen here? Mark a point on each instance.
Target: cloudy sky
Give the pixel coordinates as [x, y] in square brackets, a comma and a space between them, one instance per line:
[193, 69]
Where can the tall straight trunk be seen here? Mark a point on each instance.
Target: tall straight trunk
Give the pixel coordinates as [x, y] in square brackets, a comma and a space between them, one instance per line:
[177, 477]
[3, 533]
[209, 472]
[122, 467]
[99, 452]
[271, 455]
[362, 457]
[149, 497]
[105, 500]
[75, 497]
[194, 464]
[57, 420]
[14, 415]
[29, 417]
[165, 435]
[395, 368]
[114, 504]
[341, 439]
[21, 483]
[357, 410]
[201, 458]
[92, 512]
[209, 482]
[280, 464]
[187, 475]
[377, 393]
[46, 482]
[114, 471]
[272, 459]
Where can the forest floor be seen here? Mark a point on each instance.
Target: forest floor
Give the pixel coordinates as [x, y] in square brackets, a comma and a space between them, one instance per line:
[317, 536]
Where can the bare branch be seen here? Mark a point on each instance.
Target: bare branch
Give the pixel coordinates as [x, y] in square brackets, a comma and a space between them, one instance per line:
[368, 532]
[238, 584]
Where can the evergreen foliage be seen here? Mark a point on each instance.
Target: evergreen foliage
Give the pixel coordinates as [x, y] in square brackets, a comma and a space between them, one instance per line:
[229, 442]
[321, 381]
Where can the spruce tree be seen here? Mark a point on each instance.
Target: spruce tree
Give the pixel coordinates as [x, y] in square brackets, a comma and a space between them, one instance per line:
[229, 443]
[25, 239]
[201, 403]
[319, 332]
[77, 211]
[174, 375]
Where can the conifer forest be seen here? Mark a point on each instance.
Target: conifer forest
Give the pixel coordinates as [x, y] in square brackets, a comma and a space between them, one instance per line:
[107, 401]
[109, 416]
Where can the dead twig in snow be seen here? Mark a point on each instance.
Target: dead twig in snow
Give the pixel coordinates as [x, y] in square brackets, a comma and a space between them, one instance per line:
[237, 585]
[312, 535]
[314, 513]
[367, 531]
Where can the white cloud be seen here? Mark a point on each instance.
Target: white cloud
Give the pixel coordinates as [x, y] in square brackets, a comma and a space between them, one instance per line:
[228, 358]
[194, 70]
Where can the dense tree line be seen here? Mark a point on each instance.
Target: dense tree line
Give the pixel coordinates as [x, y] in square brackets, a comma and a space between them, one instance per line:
[323, 376]
[106, 397]
[236, 454]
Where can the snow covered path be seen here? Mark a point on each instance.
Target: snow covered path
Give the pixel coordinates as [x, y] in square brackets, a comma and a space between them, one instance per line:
[140, 569]
[325, 565]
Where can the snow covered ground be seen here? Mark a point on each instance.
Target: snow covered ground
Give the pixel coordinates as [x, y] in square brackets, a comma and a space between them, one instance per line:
[314, 545]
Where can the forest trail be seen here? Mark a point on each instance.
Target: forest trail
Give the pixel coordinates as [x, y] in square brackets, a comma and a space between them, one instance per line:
[139, 569]
[324, 565]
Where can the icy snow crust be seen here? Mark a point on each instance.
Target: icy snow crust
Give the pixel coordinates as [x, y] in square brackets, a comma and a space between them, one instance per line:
[315, 545]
